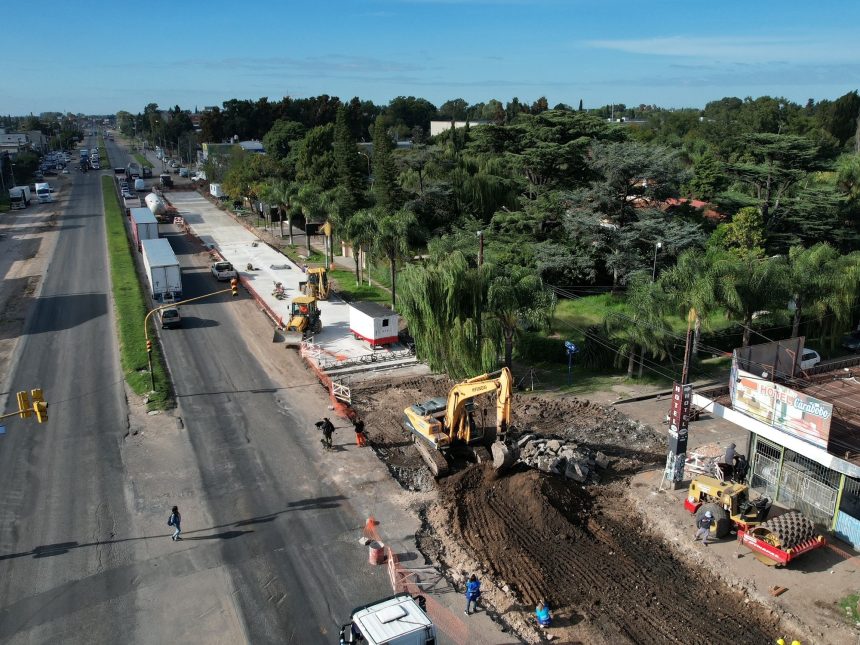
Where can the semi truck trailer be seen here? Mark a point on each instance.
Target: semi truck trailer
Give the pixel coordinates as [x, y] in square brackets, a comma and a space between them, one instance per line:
[162, 271]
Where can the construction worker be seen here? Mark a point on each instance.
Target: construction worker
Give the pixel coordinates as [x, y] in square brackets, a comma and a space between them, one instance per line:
[360, 436]
[327, 429]
[544, 617]
[703, 527]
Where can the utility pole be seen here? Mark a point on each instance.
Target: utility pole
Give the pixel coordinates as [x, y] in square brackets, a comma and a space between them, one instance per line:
[679, 416]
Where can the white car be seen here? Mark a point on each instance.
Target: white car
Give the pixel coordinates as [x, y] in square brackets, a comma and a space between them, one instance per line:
[224, 271]
[809, 359]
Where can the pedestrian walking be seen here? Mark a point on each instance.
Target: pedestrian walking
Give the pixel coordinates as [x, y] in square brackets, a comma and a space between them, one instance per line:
[327, 429]
[544, 617]
[473, 592]
[703, 527]
[729, 457]
[360, 436]
[175, 520]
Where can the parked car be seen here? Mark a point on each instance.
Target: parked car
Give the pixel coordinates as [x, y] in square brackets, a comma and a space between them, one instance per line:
[170, 317]
[809, 359]
[851, 341]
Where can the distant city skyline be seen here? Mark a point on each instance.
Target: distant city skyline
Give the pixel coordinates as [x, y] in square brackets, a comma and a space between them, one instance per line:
[98, 59]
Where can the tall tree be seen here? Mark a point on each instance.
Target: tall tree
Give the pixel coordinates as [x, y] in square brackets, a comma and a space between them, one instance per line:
[393, 234]
[385, 186]
[643, 330]
[360, 232]
[748, 283]
[515, 297]
[349, 164]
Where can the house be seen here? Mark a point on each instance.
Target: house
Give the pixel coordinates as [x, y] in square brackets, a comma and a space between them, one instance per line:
[438, 127]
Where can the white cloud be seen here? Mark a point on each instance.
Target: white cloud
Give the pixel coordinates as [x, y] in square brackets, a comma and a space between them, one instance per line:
[739, 48]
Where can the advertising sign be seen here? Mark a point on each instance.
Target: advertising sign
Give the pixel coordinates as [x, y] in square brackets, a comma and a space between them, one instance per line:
[679, 417]
[792, 412]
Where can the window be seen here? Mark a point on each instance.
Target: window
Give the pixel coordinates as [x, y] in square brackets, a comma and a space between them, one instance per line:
[385, 322]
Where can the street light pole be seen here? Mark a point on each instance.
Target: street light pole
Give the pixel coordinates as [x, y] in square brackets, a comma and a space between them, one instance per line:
[657, 247]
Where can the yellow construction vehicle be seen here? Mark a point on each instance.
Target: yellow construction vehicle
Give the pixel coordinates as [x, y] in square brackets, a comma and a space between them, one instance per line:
[304, 319]
[775, 541]
[442, 424]
[317, 283]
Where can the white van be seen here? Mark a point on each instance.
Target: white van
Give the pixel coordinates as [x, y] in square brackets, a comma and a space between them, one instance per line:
[139, 185]
[43, 193]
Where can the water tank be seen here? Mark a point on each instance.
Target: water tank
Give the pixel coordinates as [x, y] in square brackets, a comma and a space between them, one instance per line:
[155, 203]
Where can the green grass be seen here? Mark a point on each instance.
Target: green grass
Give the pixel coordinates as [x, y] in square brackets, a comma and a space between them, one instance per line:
[143, 161]
[131, 308]
[851, 606]
[346, 287]
[298, 254]
[103, 153]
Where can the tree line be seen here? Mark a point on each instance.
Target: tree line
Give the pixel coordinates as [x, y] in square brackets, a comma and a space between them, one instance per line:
[564, 197]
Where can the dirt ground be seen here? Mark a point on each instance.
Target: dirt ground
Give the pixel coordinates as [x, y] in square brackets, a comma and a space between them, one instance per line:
[531, 535]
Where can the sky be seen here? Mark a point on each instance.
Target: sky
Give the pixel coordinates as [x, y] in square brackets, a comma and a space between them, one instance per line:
[99, 57]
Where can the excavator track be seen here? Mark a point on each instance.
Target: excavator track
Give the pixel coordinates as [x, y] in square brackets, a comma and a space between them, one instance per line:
[434, 459]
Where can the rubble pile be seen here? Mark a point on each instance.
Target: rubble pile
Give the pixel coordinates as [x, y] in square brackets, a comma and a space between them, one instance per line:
[561, 457]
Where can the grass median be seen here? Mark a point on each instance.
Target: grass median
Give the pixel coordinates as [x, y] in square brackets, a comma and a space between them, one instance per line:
[131, 308]
[103, 153]
[143, 161]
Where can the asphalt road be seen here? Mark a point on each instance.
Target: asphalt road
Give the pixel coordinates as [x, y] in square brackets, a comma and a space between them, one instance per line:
[286, 537]
[81, 557]
[62, 482]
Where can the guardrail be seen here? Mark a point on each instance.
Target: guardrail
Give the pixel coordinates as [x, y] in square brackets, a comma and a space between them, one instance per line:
[366, 359]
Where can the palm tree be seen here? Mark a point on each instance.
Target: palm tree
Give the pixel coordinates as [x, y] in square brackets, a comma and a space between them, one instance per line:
[821, 283]
[360, 232]
[308, 200]
[284, 194]
[643, 328]
[748, 283]
[516, 296]
[393, 232]
[692, 284]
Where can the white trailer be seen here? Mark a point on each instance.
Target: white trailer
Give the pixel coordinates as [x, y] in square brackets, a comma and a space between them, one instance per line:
[144, 226]
[216, 191]
[162, 270]
[20, 197]
[373, 323]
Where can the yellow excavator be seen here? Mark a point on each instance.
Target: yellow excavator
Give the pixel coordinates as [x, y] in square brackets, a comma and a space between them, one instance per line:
[444, 424]
[317, 283]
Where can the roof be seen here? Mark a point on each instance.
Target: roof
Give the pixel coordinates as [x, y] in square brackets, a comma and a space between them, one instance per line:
[372, 309]
[158, 252]
[705, 207]
[390, 618]
[143, 216]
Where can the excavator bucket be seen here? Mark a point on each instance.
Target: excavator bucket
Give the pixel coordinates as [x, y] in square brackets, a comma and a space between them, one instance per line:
[293, 338]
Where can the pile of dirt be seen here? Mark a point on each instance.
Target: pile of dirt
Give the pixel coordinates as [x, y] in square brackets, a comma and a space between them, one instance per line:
[536, 536]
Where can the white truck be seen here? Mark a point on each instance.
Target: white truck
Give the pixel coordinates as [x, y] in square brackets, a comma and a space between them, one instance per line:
[162, 270]
[398, 620]
[20, 197]
[43, 193]
[223, 271]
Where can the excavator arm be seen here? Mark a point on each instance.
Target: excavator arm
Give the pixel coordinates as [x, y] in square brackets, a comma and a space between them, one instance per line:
[457, 419]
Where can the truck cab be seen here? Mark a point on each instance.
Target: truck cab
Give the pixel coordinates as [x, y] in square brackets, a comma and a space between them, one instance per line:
[398, 620]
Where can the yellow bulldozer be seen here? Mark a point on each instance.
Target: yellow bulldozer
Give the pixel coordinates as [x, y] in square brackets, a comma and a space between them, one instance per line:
[304, 319]
[317, 283]
[444, 424]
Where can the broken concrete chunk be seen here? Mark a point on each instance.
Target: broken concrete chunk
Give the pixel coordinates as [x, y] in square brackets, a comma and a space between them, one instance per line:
[554, 445]
[601, 460]
[576, 471]
[524, 440]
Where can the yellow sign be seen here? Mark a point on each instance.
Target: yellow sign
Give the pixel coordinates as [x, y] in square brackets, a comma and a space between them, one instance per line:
[326, 229]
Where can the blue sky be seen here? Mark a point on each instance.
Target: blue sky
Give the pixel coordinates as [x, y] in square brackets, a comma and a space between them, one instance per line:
[100, 57]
